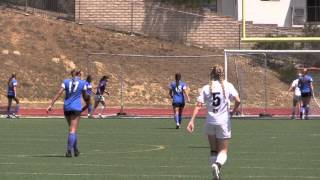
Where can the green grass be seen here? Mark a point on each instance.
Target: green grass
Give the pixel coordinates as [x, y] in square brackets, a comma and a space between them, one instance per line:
[151, 149]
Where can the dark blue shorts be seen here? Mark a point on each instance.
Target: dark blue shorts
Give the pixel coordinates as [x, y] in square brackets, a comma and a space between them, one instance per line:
[308, 94]
[72, 113]
[180, 105]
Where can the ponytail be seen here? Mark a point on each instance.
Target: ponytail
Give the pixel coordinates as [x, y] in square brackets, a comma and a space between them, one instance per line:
[10, 79]
[217, 74]
[178, 78]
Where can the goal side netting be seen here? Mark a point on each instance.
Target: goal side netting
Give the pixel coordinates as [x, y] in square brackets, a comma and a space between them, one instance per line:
[263, 78]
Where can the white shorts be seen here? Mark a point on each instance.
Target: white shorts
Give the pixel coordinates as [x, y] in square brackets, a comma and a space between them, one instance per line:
[99, 98]
[220, 131]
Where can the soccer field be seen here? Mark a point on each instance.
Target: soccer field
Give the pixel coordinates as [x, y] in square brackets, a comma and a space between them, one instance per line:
[152, 149]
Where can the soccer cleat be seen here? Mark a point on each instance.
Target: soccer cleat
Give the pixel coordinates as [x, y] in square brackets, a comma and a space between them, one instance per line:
[90, 116]
[8, 116]
[15, 115]
[76, 153]
[100, 115]
[68, 154]
[215, 171]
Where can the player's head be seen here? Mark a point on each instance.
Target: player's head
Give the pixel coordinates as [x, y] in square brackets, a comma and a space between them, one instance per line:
[217, 73]
[305, 71]
[177, 76]
[13, 75]
[104, 78]
[75, 73]
[89, 78]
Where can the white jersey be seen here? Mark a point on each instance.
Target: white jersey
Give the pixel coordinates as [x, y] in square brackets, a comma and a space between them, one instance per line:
[217, 104]
[294, 85]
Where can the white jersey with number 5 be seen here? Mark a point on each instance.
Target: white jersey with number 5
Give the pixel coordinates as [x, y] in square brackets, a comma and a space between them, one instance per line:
[217, 104]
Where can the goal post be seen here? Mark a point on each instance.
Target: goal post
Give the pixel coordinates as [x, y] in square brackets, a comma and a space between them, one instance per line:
[263, 78]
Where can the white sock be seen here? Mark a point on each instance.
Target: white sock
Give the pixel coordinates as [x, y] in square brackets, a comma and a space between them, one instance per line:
[222, 158]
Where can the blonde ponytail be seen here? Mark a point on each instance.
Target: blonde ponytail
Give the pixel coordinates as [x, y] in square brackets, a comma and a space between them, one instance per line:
[217, 74]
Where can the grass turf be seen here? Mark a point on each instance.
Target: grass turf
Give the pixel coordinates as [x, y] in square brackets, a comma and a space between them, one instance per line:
[152, 149]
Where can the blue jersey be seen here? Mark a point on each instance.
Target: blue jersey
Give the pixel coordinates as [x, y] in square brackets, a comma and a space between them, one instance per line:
[73, 88]
[305, 84]
[13, 83]
[178, 94]
[102, 87]
[89, 88]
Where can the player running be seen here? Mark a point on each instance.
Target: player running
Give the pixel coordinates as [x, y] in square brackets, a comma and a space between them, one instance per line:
[74, 88]
[99, 98]
[177, 92]
[306, 88]
[89, 94]
[216, 96]
[12, 95]
[296, 96]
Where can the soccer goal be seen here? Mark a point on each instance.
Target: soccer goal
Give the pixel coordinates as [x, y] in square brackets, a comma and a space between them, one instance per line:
[263, 78]
[140, 83]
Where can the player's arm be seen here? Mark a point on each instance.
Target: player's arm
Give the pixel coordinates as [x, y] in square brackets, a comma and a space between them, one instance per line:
[236, 105]
[311, 86]
[191, 123]
[15, 90]
[57, 96]
[170, 92]
[186, 92]
[86, 99]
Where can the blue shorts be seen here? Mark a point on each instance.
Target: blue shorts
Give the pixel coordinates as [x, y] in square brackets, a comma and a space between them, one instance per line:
[72, 113]
[180, 105]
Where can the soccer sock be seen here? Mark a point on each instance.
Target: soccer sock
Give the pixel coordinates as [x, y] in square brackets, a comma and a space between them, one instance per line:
[90, 109]
[293, 110]
[180, 118]
[307, 109]
[17, 108]
[221, 158]
[176, 118]
[213, 157]
[75, 146]
[71, 141]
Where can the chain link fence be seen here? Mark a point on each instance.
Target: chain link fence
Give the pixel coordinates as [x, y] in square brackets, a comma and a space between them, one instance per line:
[64, 9]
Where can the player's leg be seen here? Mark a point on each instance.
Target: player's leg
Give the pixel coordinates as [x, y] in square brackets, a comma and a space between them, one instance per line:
[210, 130]
[293, 109]
[17, 106]
[9, 106]
[307, 106]
[104, 106]
[73, 122]
[176, 115]
[180, 113]
[96, 103]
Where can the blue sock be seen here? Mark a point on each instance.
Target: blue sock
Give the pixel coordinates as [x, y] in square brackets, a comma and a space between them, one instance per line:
[17, 108]
[90, 109]
[176, 118]
[180, 118]
[71, 141]
[75, 146]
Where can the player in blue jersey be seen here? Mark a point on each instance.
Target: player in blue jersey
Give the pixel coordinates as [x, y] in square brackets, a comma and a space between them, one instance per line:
[306, 88]
[89, 94]
[75, 89]
[12, 95]
[99, 98]
[177, 92]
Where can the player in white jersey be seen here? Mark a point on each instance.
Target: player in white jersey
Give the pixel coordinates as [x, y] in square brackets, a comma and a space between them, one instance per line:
[217, 96]
[296, 96]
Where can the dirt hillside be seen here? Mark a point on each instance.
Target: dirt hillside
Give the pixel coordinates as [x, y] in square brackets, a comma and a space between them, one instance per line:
[42, 52]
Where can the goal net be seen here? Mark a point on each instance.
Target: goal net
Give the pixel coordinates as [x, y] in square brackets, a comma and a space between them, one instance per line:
[263, 78]
[139, 84]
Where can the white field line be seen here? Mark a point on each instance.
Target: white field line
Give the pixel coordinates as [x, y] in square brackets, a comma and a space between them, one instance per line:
[149, 166]
[152, 175]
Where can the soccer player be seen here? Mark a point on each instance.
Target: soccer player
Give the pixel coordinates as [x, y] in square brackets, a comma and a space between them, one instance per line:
[89, 94]
[306, 88]
[99, 98]
[217, 96]
[74, 88]
[296, 95]
[177, 92]
[12, 95]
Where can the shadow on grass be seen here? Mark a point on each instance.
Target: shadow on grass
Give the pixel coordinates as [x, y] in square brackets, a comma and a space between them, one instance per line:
[48, 156]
